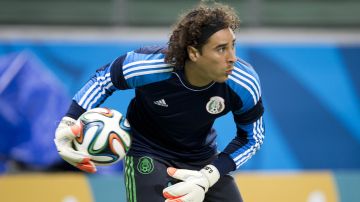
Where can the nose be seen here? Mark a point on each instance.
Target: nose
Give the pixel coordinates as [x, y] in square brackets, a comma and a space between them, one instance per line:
[232, 56]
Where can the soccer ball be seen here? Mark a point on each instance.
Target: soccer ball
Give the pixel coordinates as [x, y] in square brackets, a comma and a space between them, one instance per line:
[104, 136]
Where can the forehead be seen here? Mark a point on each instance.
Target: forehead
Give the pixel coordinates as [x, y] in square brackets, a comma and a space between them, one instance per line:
[222, 37]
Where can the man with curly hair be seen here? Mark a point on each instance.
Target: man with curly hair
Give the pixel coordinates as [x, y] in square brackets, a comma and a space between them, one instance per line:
[180, 90]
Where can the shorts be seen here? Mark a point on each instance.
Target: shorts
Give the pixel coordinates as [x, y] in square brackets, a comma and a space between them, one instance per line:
[146, 177]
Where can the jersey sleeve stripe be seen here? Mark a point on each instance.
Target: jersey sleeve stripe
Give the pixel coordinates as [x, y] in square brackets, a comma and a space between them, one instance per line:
[100, 90]
[92, 87]
[88, 91]
[100, 96]
[101, 87]
[248, 152]
[258, 136]
[95, 89]
[261, 129]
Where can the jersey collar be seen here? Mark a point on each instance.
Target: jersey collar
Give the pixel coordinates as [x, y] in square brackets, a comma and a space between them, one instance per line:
[180, 74]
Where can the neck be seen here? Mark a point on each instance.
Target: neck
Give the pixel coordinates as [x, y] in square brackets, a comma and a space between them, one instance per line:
[194, 76]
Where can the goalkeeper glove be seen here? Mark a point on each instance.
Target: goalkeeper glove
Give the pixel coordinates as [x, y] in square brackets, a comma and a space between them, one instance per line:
[194, 184]
[66, 132]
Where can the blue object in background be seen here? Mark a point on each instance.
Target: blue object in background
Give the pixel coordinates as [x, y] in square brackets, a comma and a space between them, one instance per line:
[312, 96]
[32, 102]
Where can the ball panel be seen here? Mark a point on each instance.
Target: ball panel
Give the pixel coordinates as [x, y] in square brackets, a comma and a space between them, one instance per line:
[104, 160]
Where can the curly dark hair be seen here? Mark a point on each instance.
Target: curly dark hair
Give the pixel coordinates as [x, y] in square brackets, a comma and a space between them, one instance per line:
[190, 30]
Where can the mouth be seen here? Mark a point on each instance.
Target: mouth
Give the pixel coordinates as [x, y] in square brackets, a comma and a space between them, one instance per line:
[228, 72]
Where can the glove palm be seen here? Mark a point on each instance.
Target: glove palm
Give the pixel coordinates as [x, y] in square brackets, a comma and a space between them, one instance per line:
[66, 132]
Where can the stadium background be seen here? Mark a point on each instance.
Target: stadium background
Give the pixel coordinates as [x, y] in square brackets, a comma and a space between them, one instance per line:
[306, 53]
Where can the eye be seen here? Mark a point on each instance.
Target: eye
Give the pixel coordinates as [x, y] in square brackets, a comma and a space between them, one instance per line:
[222, 49]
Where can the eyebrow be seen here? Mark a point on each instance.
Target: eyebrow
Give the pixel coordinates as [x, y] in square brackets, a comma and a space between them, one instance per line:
[224, 44]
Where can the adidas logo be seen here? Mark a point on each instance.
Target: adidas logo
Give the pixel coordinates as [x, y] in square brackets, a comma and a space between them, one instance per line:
[161, 103]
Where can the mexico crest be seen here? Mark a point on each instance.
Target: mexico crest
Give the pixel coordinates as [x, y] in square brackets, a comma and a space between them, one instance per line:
[145, 165]
[215, 105]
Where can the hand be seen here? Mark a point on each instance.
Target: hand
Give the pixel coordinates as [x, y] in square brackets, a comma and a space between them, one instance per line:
[66, 132]
[194, 184]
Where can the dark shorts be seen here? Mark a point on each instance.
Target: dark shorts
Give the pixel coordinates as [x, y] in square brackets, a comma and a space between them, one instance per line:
[146, 177]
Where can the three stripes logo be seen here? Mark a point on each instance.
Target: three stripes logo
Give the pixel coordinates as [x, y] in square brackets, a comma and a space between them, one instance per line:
[161, 103]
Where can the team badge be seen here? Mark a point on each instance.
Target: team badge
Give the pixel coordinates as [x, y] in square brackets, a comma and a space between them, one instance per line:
[145, 165]
[215, 105]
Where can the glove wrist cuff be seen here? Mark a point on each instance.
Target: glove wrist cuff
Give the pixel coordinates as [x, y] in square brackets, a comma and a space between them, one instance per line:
[211, 173]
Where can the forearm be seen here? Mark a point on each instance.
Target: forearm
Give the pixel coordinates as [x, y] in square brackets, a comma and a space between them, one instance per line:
[248, 140]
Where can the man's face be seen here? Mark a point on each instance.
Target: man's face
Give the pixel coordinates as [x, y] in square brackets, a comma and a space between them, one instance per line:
[217, 58]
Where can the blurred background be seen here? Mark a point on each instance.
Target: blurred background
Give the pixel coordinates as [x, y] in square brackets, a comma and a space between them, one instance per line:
[307, 54]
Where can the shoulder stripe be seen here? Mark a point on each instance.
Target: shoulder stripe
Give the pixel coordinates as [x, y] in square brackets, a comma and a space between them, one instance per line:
[251, 77]
[254, 88]
[169, 69]
[145, 67]
[142, 62]
[251, 91]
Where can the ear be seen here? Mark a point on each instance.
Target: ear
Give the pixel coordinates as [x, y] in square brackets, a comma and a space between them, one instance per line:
[193, 53]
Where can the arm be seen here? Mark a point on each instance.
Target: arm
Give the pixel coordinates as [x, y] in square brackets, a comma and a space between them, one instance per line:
[247, 111]
[131, 70]
[91, 95]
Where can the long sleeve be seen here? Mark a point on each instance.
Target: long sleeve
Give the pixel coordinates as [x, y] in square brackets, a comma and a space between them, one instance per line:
[248, 115]
[131, 70]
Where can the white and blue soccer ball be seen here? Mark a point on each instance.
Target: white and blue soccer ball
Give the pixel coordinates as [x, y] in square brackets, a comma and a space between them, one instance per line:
[105, 136]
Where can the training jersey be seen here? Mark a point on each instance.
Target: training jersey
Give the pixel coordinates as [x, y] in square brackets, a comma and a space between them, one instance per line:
[172, 119]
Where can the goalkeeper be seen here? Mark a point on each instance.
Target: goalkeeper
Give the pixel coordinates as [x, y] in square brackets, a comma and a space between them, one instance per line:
[180, 90]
